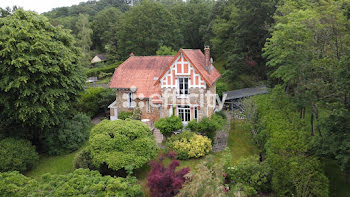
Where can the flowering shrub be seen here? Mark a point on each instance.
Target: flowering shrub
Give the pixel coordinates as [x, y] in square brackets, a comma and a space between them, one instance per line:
[189, 145]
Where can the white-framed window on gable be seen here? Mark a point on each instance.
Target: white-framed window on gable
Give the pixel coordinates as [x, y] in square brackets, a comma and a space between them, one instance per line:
[130, 100]
[183, 86]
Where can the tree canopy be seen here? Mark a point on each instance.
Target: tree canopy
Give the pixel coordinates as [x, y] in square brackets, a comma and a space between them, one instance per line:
[40, 71]
[146, 27]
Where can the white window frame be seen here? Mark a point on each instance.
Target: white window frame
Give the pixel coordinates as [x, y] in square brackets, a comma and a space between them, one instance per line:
[184, 112]
[182, 91]
[130, 100]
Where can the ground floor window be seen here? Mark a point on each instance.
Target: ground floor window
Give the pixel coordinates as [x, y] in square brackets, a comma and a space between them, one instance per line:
[184, 113]
[195, 113]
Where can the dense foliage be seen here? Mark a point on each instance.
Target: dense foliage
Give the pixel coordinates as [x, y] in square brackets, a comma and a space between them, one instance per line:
[308, 56]
[249, 176]
[121, 144]
[83, 160]
[81, 182]
[208, 182]
[208, 126]
[165, 181]
[125, 114]
[16, 184]
[69, 137]
[17, 154]
[95, 100]
[286, 142]
[190, 145]
[146, 27]
[168, 125]
[40, 72]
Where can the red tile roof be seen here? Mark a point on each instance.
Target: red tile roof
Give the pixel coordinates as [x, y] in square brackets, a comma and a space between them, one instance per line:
[197, 58]
[141, 72]
[145, 72]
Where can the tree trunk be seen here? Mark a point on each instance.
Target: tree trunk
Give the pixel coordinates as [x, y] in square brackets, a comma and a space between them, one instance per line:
[318, 121]
[312, 124]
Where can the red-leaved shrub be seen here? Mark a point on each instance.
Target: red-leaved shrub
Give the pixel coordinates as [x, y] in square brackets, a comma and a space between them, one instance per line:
[165, 181]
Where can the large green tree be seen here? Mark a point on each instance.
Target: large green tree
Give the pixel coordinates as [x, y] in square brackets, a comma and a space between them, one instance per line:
[240, 34]
[84, 34]
[104, 26]
[40, 72]
[193, 17]
[146, 27]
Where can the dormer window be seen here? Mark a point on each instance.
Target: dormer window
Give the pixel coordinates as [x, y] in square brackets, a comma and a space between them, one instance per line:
[183, 86]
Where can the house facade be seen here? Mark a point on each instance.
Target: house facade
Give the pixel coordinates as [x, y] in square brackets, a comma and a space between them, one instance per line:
[161, 86]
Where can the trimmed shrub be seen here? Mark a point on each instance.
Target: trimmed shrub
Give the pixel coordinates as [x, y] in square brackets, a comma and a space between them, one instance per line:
[165, 181]
[189, 145]
[81, 182]
[69, 137]
[15, 184]
[121, 144]
[168, 125]
[93, 72]
[17, 155]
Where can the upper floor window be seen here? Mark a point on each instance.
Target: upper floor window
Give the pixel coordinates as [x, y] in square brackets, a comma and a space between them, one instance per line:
[183, 86]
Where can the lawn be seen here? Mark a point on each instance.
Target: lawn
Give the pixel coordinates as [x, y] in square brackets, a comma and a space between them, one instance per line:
[62, 164]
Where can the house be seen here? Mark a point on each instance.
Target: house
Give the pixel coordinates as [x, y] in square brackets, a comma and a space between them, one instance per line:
[98, 58]
[159, 86]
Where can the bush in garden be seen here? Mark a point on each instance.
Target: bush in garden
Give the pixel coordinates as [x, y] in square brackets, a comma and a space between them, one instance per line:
[15, 184]
[17, 155]
[222, 114]
[168, 125]
[83, 160]
[208, 126]
[189, 145]
[165, 181]
[69, 137]
[207, 180]
[121, 144]
[125, 114]
[193, 125]
[83, 182]
[249, 176]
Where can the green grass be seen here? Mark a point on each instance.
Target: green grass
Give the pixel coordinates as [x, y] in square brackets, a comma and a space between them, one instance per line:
[62, 164]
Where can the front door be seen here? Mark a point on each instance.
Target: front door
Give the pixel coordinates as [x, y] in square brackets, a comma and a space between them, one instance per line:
[184, 113]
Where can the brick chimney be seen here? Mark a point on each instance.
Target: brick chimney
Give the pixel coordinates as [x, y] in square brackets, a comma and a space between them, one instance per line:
[207, 58]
